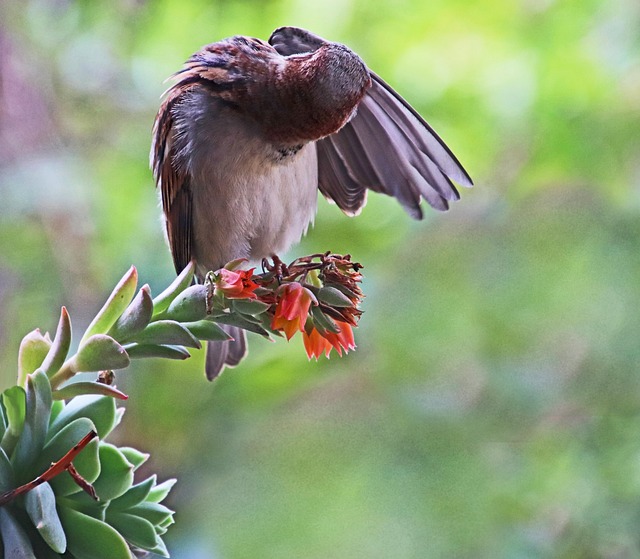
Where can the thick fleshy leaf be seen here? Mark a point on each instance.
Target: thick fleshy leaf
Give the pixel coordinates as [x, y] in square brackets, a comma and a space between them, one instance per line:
[189, 306]
[135, 317]
[160, 548]
[136, 494]
[14, 401]
[334, 297]
[322, 322]
[207, 330]
[3, 422]
[56, 407]
[134, 456]
[116, 304]
[99, 409]
[136, 530]
[161, 302]
[84, 503]
[7, 480]
[348, 292]
[15, 540]
[116, 475]
[40, 504]
[60, 347]
[160, 491]
[246, 323]
[143, 351]
[33, 349]
[265, 321]
[86, 462]
[36, 423]
[89, 538]
[98, 353]
[84, 388]
[153, 512]
[167, 332]
[249, 306]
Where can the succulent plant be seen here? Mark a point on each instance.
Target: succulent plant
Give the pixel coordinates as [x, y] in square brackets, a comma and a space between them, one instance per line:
[67, 492]
[48, 509]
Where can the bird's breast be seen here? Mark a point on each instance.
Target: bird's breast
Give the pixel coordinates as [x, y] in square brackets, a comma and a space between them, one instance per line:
[251, 199]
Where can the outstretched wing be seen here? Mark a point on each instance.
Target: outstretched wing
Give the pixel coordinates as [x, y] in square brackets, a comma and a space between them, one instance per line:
[386, 147]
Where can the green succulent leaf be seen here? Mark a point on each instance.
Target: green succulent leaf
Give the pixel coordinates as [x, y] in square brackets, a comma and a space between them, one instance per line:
[116, 475]
[98, 353]
[7, 480]
[244, 322]
[235, 264]
[160, 491]
[33, 349]
[160, 548]
[323, 322]
[89, 538]
[250, 306]
[155, 513]
[189, 306]
[143, 351]
[3, 422]
[136, 530]
[161, 302]
[84, 503]
[32, 438]
[116, 304]
[167, 332]
[56, 407]
[14, 402]
[83, 388]
[348, 292]
[134, 456]
[40, 504]
[87, 462]
[99, 409]
[15, 541]
[333, 297]
[207, 330]
[136, 494]
[265, 322]
[60, 347]
[135, 317]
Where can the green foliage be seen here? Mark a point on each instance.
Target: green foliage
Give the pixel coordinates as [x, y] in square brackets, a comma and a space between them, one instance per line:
[491, 408]
[55, 517]
[85, 505]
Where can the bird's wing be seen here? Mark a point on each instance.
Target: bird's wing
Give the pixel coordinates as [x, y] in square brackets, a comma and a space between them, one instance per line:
[386, 147]
[173, 183]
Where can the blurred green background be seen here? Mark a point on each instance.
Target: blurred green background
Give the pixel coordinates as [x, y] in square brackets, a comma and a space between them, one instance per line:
[492, 408]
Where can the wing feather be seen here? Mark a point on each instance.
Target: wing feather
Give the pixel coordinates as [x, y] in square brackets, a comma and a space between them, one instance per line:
[386, 147]
[173, 183]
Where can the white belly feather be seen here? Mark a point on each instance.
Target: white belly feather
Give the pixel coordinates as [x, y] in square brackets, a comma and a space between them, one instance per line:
[249, 201]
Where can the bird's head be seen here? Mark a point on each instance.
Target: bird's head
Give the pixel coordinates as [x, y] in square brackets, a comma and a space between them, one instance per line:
[314, 94]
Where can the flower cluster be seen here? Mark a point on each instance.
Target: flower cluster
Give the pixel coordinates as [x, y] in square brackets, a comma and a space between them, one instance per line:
[317, 295]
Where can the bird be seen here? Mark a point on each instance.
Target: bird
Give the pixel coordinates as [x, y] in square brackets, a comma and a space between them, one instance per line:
[249, 132]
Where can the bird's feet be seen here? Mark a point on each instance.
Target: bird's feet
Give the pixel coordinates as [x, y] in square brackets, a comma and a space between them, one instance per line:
[277, 267]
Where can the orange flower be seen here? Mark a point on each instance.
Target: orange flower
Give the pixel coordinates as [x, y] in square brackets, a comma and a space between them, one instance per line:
[315, 345]
[342, 340]
[236, 284]
[292, 309]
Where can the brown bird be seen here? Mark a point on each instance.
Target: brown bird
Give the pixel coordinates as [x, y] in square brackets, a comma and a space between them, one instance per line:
[251, 130]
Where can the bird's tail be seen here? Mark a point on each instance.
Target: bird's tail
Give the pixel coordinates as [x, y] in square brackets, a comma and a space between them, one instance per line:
[225, 354]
